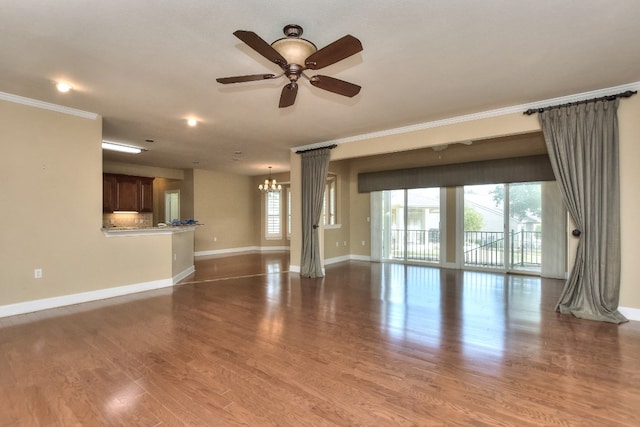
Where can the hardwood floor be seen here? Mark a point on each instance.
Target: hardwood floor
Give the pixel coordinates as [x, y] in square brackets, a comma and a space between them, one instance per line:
[243, 342]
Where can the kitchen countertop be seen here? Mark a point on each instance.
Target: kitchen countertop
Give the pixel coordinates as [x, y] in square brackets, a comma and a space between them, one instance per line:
[145, 231]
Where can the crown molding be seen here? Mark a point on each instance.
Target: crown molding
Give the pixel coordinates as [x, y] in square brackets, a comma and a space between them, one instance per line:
[47, 106]
[477, 116]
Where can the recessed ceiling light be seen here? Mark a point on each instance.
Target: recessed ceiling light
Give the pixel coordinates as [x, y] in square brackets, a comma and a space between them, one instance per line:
[63, 87]
[192, 122]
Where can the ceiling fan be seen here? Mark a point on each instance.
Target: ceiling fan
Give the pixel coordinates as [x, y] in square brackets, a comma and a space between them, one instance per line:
[295, 55]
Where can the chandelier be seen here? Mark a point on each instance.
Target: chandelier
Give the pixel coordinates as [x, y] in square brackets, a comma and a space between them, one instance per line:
[270, 184]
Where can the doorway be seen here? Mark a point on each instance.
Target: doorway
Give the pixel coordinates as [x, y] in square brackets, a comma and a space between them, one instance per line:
[171, 206]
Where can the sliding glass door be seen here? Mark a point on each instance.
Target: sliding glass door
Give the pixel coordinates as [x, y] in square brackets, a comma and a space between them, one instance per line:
[497, 227]
[411, 225]
[503, 226]
[484, 224]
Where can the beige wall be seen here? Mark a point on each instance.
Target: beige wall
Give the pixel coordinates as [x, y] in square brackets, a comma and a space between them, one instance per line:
[182, 247]
[338, 238]
[296, 212]
[629, 126]
[51, 187]
[360, 207]
[140, 170]
[227, 206]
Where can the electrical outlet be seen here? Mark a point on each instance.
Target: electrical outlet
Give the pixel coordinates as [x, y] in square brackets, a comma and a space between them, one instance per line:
[363, 243]
[337, 244]
[175, 257]
[215, 239]
[37, 273]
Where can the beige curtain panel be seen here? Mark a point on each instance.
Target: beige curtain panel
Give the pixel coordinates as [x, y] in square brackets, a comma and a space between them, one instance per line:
[582, 142]
[315, 166]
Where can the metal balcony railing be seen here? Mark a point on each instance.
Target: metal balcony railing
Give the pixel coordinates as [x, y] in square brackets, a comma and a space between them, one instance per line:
[481, 248]
[422, 245]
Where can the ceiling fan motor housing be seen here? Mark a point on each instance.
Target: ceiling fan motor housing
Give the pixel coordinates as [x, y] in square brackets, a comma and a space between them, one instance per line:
[292, 30]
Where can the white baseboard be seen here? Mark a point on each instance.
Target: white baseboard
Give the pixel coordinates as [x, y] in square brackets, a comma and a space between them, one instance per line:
[247, 249]
[65, 300]
[630, 313]
[178, 277]
[294, 268]
[225, 251]
[343, 258]
[336, 260]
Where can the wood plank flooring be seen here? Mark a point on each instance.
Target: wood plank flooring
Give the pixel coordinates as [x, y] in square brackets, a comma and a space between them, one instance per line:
[244, 342]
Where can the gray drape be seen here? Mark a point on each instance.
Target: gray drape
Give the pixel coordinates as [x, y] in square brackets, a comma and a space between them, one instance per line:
[582, 141]
[315, 165]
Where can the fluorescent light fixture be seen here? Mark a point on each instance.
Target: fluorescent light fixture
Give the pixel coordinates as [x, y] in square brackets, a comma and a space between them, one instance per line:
[108, 145]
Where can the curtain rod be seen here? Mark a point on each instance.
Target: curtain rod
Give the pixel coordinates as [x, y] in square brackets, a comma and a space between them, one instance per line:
[626, 94]
[330, 147]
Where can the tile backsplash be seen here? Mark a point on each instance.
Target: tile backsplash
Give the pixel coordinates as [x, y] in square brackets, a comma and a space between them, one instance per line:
[127, 220]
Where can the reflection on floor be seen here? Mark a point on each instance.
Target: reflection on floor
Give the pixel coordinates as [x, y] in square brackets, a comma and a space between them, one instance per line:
[243, 341]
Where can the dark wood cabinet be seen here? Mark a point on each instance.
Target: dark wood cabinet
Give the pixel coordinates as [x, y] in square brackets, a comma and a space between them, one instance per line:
[146, 195]
[108, 193]
[127, 193]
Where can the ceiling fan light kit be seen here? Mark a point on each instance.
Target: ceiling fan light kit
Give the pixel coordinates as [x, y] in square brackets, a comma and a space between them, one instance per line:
[295, 55]
[292, 47]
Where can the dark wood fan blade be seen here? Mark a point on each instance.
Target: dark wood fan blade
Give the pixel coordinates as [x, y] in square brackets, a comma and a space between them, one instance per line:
[335, 85]
[334, 52]
[288, 96]
[262, 47]
[241, 79]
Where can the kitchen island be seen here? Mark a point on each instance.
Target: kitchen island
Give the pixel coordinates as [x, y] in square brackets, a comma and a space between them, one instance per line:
[146, 231]
[177, 241]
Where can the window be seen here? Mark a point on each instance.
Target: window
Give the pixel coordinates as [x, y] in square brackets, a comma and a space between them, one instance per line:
[273, 224]
[329, 208]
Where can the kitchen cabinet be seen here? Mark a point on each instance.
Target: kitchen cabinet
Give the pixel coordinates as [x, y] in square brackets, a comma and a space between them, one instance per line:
[108, 193]
[146, 195]
[127, 193]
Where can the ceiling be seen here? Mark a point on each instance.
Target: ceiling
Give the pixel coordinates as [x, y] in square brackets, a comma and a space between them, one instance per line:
[148, 65]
